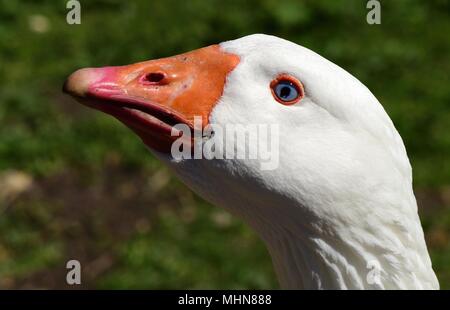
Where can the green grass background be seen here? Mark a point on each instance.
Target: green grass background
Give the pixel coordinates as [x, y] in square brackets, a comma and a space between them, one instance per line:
[98, 196]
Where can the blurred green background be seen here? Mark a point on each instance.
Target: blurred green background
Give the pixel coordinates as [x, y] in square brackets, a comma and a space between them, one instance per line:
[75, 184]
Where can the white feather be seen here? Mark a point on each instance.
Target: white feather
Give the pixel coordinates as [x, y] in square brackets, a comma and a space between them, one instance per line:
[342, 196]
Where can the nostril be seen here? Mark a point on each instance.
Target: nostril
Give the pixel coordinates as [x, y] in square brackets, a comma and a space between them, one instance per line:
[154, 78]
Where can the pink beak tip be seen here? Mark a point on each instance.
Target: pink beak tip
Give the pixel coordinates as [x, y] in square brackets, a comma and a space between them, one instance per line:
[78, 83]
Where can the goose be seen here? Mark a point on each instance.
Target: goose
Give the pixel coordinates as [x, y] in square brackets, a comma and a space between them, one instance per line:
[338, 211]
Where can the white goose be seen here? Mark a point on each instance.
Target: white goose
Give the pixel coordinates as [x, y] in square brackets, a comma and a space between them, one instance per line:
[339, 212]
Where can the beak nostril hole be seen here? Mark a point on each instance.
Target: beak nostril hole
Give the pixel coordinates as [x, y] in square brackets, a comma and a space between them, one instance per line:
[154, 77]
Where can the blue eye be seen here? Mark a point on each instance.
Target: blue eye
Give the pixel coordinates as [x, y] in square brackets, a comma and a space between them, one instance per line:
[287, 90]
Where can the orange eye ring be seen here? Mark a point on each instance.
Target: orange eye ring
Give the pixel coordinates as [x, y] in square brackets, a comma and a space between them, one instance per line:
[287, 90]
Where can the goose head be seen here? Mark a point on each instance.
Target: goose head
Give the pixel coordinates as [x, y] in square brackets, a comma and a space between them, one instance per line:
[333, 201]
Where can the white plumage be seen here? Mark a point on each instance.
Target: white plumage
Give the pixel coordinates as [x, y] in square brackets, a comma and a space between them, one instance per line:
[341, 203]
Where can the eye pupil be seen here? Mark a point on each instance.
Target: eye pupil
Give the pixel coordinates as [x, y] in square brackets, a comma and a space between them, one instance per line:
[285, 92]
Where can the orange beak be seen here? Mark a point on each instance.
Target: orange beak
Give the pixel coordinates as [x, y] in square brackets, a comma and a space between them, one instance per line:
[153, 96]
